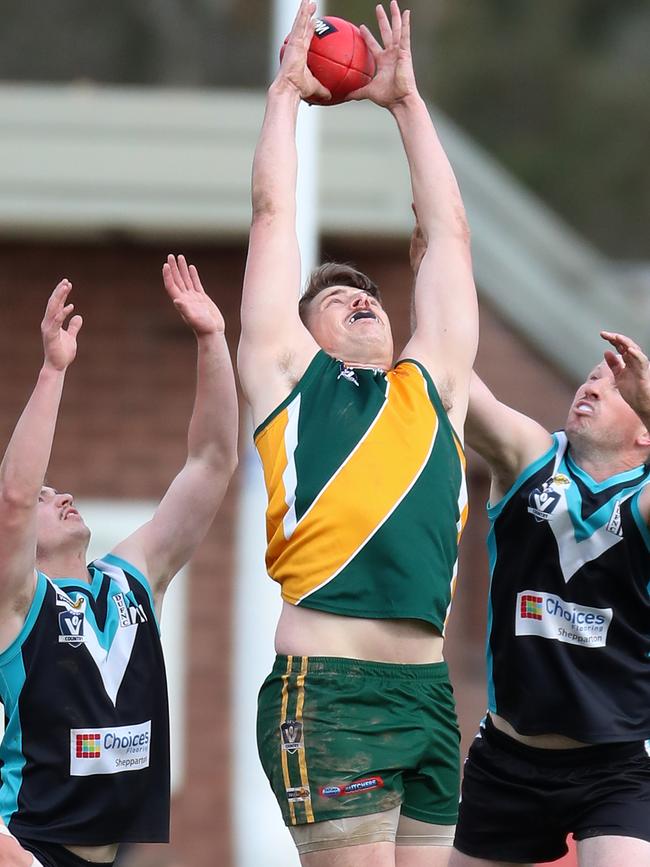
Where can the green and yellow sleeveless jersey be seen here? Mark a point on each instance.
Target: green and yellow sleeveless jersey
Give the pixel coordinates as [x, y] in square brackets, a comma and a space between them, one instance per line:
[366, 493]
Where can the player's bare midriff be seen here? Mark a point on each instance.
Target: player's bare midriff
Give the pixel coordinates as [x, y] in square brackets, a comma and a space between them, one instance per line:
[96, 854]
[544, 742]
[306, 632]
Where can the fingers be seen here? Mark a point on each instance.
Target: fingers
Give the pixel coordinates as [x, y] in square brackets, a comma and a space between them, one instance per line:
[395, 22]
[185, 273]
[357, 94]
[57, 299]
[74, 326]
[176, 274]
[614, 362]
[180, 278]
[297, 21]
[619, 341]
[626, 347]
[196, 280]
[56, 310]
[302, 29]
[373, 46]
[309, 23]
[319, 91]
[405, 38]
[384, 27]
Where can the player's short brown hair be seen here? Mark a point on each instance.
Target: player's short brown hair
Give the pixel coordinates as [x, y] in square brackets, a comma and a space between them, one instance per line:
[335, 274]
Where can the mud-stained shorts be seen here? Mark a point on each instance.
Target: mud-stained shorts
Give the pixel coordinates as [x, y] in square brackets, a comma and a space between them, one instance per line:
[345, 737]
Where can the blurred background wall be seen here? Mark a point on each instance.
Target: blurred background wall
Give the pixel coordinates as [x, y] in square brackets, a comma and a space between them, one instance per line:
[127, 131]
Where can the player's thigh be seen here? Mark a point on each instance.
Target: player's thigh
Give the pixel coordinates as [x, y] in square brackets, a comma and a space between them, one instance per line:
[613, 851]
[345, 834]
[422, 844]
[363, 855]
[422, 856]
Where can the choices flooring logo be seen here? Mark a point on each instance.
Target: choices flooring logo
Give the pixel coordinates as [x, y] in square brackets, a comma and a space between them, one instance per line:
[549, 616]
[113, 749]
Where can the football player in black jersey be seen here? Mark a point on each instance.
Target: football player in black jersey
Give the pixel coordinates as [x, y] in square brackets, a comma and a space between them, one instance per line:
[565, 745]
[85, 762]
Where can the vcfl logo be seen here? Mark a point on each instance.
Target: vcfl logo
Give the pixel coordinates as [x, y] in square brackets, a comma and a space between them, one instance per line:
[71, 628]
[542, 501]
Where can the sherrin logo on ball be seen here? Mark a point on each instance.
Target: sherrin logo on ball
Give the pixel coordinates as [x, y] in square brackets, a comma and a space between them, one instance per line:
[338, 57]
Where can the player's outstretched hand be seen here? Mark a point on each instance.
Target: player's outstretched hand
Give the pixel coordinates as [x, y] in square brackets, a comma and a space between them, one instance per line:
[59, 343]
[184, 287]
[293, 68]
[394, 79]
[631, 370]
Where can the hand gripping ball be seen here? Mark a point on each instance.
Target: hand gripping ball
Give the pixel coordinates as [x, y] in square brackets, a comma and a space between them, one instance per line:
[339, 58]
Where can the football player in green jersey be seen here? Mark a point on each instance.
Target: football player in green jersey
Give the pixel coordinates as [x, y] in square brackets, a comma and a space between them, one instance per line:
[347, 717]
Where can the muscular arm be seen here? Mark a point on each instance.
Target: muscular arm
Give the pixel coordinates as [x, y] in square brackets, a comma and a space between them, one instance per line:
[446, 312]
[275, 347]
[25, 462]
[506, 439]
[163, 545]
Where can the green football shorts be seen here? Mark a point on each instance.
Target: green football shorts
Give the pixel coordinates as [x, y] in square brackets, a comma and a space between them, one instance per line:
[345, 737]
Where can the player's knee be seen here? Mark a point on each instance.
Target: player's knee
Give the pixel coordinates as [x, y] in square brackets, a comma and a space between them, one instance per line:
[350, 831]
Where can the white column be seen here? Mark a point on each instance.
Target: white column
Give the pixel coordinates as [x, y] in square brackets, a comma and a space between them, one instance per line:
[259, 833]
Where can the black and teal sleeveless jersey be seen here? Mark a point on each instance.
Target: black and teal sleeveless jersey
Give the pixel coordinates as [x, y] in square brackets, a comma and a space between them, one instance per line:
[568, 646]
[85, 755]
[366, 487]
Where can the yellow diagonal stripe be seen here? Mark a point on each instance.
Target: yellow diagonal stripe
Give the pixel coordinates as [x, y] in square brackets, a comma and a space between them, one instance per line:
[283, 719]
[302, 759]
[366, 489]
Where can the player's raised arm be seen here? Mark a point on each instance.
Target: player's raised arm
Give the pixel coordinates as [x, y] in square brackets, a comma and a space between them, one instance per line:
[446, 335]
[275, 347]
[25, 462]
[163, 545]
[505, 438]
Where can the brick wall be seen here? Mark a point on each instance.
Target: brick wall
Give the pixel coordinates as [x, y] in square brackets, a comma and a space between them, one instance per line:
[122, 434]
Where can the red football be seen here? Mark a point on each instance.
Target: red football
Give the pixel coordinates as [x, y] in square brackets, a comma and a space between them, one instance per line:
[339, 58]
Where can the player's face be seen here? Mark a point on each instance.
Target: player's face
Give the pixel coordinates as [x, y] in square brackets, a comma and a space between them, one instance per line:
[351, 324]
[59, 521]
[600, 413]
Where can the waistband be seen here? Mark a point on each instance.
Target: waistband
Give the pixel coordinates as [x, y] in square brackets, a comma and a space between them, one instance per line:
[436, 672]
[573, 756]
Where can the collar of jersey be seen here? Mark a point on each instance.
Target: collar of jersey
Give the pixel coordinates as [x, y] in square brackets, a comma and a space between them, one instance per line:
[635, 474]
